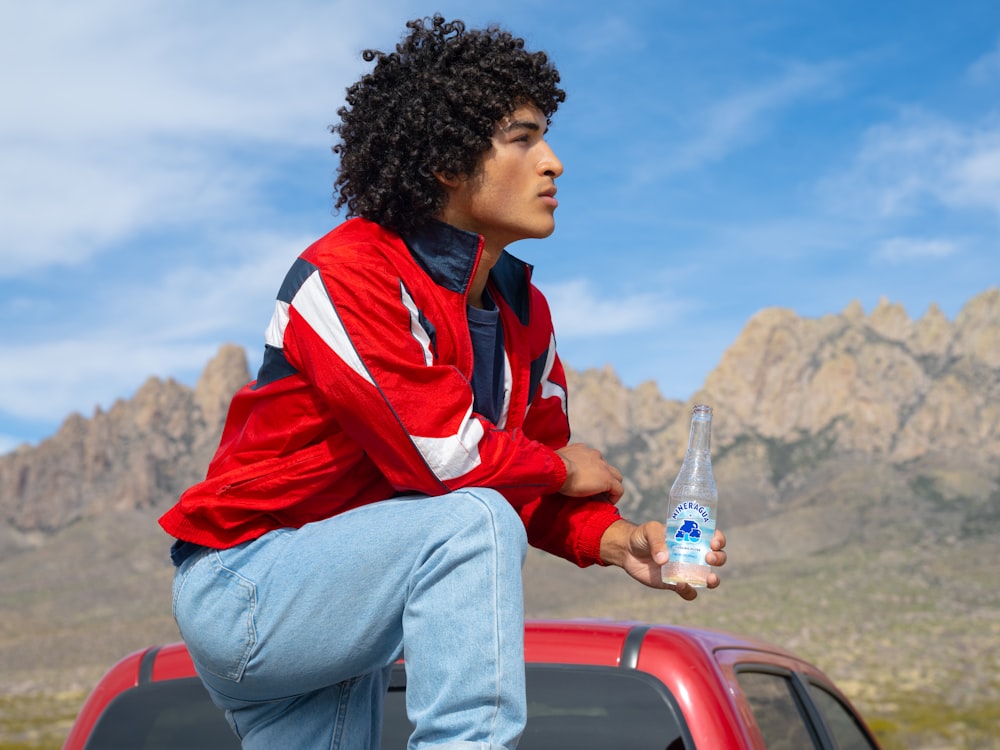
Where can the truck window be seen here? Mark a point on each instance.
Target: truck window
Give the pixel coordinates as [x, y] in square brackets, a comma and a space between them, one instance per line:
[839, 720]
[578, 708]
[569, 708]
[776, 710]
[162, 716]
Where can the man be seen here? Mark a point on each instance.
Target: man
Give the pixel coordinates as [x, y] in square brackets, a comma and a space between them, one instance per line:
[406, 435]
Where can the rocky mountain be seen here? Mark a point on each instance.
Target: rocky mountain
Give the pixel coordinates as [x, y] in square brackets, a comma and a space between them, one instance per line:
[838, 442]
[140, 453]
[793, 398]
[808, 410]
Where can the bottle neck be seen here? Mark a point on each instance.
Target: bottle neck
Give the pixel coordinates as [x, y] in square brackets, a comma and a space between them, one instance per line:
[700, 439]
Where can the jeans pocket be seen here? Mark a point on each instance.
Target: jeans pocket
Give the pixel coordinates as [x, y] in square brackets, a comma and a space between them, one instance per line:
[214, 608]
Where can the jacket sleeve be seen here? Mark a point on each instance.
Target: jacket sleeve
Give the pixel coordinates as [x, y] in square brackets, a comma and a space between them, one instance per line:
[356, 333]
[569, 527]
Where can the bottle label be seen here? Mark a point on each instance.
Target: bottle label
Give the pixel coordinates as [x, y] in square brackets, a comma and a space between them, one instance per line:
[689, 533]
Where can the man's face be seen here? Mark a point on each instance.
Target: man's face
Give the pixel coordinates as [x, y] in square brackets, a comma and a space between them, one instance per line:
[512, 195]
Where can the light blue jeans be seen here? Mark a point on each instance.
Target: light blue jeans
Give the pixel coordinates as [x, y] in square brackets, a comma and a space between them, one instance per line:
[294, 633]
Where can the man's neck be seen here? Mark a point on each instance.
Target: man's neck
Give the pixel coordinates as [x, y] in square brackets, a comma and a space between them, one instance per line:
[477, 287]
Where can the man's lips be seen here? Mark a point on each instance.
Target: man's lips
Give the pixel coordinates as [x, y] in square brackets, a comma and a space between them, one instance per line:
[549, 196]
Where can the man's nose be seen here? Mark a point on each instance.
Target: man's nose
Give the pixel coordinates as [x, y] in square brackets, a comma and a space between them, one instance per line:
[550, 164]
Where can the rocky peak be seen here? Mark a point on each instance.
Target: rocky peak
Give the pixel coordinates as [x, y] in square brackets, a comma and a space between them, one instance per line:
[932, 335]
[890, 320]
[977, 330]
[880, 384]
[225, 374]
[801, 404]
[139, 453]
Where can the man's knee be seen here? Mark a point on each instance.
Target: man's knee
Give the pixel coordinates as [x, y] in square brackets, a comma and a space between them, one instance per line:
[490, 507]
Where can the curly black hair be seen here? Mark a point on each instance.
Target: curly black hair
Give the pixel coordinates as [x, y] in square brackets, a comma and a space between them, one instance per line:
[431, 107]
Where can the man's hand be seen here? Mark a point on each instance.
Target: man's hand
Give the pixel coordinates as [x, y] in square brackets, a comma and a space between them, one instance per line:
[587, 473]
[641, 550]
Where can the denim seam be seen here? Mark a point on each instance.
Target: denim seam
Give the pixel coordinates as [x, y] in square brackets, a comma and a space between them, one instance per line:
[251, 629]
[495, 548]
[231, 717]
[343, 702]
[181, 576]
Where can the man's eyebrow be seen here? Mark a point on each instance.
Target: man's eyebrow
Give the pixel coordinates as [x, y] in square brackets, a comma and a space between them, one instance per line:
[506, 127]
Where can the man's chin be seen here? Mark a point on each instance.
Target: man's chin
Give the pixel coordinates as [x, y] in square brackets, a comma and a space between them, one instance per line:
[546, 231]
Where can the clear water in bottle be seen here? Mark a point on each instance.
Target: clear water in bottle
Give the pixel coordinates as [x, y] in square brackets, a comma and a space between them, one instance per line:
[694, 503]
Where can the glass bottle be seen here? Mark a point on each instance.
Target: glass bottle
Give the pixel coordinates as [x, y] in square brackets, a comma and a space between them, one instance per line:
[694, 502]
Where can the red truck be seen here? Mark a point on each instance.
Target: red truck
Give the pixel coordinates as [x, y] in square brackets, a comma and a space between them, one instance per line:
[591, 684]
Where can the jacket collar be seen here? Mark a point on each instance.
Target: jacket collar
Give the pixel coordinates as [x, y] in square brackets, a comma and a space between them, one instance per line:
[449, 256]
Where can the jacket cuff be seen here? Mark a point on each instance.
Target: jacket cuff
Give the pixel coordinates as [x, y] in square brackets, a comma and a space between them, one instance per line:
[588, 545]
[560, 473]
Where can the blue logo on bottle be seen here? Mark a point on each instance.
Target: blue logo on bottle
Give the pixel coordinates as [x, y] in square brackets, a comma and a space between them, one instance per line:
[688, 531]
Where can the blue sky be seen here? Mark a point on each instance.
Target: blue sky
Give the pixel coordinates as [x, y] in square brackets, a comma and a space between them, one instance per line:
[164, 162]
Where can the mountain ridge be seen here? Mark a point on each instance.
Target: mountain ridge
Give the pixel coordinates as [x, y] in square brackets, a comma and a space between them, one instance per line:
[791, 395]
[856, 457]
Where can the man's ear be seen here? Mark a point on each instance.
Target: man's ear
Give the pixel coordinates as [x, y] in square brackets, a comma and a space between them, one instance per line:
[446, 179]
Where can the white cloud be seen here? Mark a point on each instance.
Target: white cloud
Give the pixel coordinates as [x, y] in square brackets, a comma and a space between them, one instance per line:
[903, 249]
[62, 206]
[168, 326]
[922, 160]
[9, 443]
[64, 376]
[247, 70]
[122, 117]
[579, 311]
[737, 120]
[611, 34]
[986, 69]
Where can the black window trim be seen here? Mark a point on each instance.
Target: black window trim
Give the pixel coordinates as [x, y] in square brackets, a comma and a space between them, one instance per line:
[146, 666]
[815, 724]
[803, 681]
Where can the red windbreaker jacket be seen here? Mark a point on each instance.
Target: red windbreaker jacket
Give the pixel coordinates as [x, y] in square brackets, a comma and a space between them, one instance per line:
[365, 393]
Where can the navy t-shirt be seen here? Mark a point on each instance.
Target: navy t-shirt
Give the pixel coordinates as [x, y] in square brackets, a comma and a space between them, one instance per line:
[488, 359]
